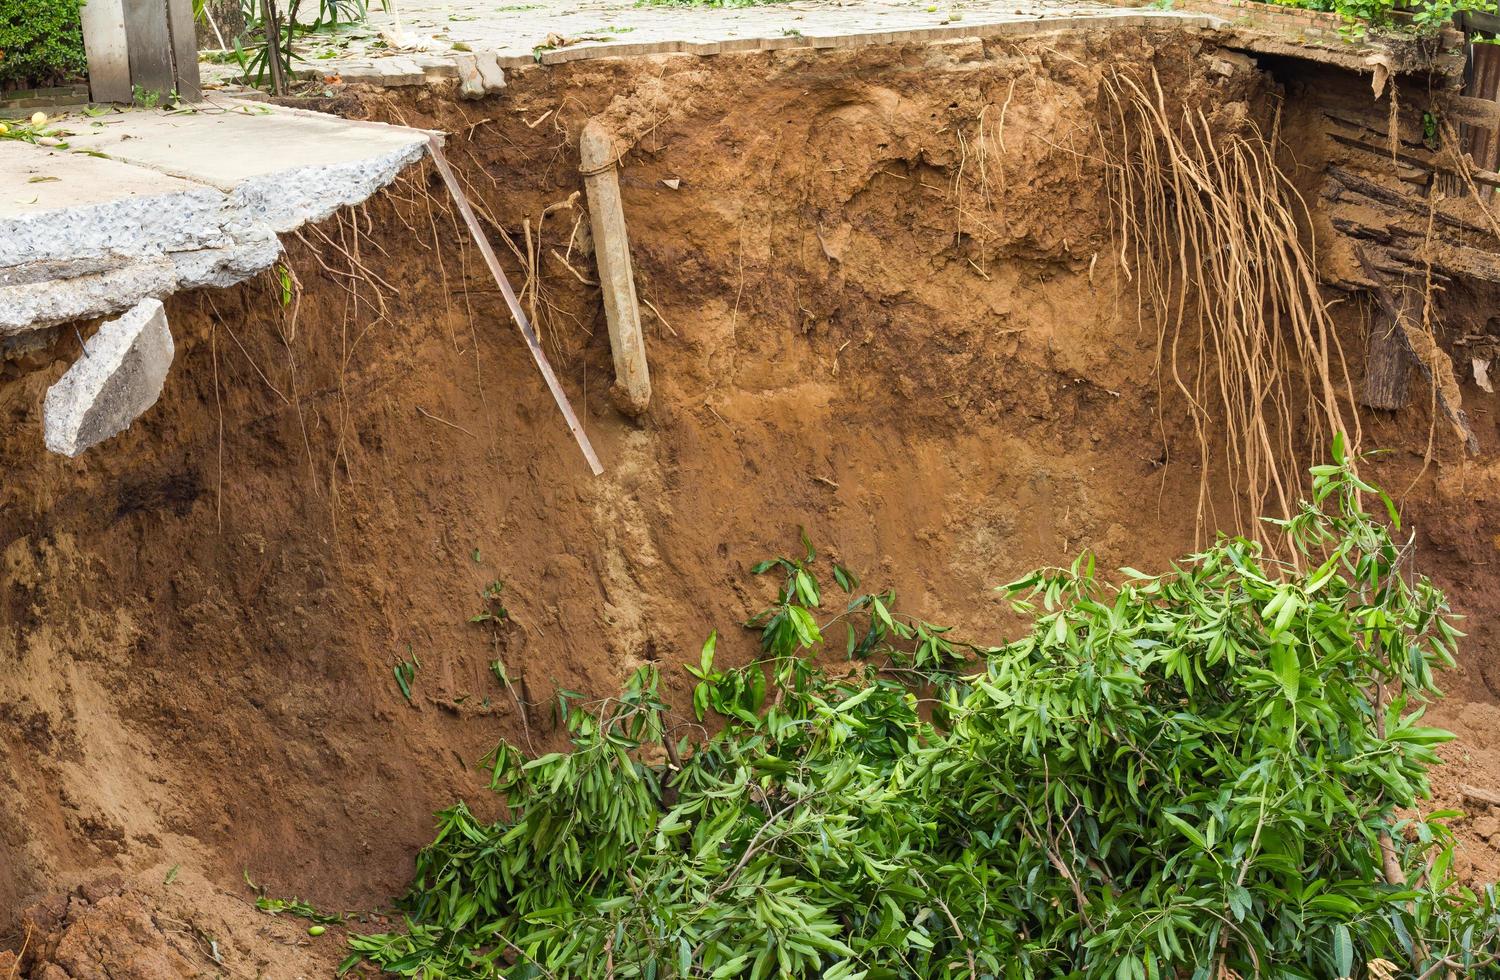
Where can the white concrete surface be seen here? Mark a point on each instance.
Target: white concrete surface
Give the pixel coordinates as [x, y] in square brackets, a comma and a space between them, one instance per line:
[142, 203]
[436, 37]
[119, 376]
[280, 167]
[59, 205]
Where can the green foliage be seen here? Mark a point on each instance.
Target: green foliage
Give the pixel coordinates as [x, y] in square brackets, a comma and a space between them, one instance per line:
[1183, 775]
[297, 907]
[1426, 16]
[494, 610]
[276, 906]
[406, 672]
[41, 43]
[254, 51]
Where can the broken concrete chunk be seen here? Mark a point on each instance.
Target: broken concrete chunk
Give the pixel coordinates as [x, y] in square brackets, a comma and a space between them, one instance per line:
[479, 74]
[470, 84]
[119, 376]
[490, 71]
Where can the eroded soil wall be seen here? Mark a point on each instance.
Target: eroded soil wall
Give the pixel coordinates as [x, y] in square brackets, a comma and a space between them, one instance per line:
[882, 304]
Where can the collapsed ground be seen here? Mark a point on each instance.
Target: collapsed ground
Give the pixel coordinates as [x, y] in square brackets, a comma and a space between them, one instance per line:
[883, 304]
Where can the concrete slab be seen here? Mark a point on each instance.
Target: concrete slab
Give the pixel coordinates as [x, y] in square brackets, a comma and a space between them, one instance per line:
[285, 166]
[56, 206]
[119, 376]
[558, 31]
[144, 202]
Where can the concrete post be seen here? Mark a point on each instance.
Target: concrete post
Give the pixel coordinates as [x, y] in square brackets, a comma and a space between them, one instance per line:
[596, 151]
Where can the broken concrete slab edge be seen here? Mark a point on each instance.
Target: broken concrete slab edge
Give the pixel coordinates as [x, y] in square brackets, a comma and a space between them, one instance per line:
[129, 226]
[120, 375]
[289, 199]
[242, 229]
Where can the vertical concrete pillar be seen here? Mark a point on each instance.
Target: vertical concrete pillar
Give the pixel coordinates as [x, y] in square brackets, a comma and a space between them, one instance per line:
[596, 150]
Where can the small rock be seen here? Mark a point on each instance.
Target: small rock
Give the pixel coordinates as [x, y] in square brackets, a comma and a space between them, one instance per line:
[490, 71]
[1487, 827]
[102, 888]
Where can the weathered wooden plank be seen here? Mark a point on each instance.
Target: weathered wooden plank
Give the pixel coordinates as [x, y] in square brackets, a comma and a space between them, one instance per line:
[1386, 360]
[1423, 350]
[1476, 21]
[1418, 159]
[1416, 206]
[150, 41]
[1475, 112]
[184, 49]
[109, 57]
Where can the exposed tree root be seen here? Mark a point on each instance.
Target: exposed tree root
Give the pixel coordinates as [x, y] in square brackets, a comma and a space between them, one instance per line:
[1210, 230]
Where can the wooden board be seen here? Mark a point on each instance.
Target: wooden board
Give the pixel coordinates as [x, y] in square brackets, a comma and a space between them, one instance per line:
[1386, 364]
[150, 41]
[109, 58]
[184, 49]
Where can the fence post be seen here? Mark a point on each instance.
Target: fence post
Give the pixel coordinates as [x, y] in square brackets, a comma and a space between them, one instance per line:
[104, 42]
[146, 44]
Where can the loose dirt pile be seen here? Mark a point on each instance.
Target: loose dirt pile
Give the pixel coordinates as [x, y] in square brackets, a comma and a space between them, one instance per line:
[882, 303]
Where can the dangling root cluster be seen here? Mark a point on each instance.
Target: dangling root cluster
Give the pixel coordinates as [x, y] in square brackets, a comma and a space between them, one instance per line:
[1209, 229]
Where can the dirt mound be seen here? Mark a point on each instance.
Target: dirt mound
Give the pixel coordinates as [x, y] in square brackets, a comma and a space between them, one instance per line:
[882, 305]
[182, 927]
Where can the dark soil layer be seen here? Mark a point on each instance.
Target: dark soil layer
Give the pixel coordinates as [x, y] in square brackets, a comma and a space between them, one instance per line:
[883, 305]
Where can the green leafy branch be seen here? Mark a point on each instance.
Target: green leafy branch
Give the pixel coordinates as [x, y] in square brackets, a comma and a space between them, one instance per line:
[1203, 773]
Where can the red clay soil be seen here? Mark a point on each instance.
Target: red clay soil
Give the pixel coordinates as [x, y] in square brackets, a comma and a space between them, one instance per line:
[865, 317]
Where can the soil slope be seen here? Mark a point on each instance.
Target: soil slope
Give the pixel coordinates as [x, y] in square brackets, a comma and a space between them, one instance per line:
[882, 305]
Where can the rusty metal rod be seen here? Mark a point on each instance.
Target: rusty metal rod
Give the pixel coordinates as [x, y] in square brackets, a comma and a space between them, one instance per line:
[527, 333]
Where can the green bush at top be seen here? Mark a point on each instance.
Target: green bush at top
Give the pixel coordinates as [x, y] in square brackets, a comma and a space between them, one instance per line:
[42, 43]
[1426, 15]
[1207, 773]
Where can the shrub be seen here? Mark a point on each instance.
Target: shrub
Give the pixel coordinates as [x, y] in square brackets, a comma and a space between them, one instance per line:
[41, 43]
[1206, 773]
[1426, 15]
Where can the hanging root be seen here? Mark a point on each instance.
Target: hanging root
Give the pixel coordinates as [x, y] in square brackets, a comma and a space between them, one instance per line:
[1209, 230]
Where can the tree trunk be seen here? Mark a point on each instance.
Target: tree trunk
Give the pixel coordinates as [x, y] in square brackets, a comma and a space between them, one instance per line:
[227, 17]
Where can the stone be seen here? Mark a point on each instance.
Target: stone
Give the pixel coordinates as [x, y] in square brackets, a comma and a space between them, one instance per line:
[119, 377]
[470, 82]
[158, 203]
[32, 305]
[490, 72]
[56, 205]
[1487, 827]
